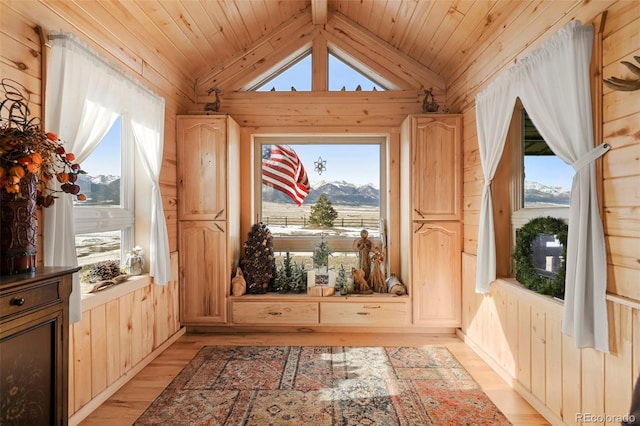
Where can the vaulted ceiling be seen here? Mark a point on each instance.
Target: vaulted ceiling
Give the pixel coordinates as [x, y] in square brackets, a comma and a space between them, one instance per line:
[200, 37]
[198, 45]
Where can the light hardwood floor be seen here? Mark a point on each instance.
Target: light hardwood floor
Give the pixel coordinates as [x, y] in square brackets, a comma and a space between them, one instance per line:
[124, 407]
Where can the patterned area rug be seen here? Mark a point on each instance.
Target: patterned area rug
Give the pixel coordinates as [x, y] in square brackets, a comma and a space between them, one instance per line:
[322, 385]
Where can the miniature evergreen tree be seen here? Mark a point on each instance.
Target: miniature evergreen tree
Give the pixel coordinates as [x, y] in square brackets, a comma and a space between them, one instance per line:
[321, 254]
[298, 281]
[322, 212]
[259, 264]
[341, 279]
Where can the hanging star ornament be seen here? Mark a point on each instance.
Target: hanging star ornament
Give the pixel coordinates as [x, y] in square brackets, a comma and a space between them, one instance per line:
[320, 165]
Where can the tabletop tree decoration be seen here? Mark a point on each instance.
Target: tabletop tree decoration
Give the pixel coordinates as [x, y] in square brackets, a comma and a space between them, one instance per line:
[258, 264]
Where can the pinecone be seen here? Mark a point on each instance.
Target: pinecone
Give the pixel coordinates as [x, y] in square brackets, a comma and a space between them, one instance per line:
[105, 270]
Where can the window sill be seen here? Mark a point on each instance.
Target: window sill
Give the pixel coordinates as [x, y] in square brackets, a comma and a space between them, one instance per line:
[92, 300]
[512, 286]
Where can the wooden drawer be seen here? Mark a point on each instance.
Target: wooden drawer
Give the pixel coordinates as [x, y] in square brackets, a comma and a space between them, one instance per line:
[380, 314]
[14, 302]
[274, 312]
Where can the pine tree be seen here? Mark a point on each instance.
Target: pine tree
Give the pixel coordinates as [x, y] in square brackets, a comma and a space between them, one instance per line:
[322, 212]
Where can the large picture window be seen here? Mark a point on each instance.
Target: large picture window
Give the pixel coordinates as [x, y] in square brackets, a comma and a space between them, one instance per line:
[345, 194]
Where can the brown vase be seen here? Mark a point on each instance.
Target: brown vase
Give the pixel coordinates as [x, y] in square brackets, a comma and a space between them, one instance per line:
[18, 229]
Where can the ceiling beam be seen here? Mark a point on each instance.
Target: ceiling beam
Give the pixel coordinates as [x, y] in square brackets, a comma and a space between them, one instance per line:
[319, 11]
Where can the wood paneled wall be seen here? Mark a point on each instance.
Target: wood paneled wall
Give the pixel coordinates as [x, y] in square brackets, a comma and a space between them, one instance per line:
[117, 338]
[516, 331]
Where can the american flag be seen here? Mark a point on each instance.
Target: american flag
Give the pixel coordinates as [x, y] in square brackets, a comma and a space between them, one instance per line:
[283, 170]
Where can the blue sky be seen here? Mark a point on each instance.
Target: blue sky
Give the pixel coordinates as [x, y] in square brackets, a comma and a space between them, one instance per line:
[359, 164]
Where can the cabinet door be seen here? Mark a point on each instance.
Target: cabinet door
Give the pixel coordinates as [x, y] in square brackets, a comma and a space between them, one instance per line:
[436, 274]
[202, 167]
[436, 167]
[204, 273]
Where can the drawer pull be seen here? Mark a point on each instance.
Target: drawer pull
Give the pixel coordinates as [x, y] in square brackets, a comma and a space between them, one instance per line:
[363, 313]
[17, 301]
[372, 306]
[275, 313]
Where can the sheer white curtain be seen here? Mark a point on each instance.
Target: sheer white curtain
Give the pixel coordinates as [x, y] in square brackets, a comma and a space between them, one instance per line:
[84, 97]
[494, 109]
[72, 78]
[555, 91]
[553, 84]
[149, 137]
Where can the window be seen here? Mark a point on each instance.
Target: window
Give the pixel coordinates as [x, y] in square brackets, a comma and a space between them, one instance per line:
[540, 181]
[345, 174]
[344, 76]
[105, 222]
[295, 75]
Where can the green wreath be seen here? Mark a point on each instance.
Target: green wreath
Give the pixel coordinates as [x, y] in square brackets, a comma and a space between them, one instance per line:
[526, 273]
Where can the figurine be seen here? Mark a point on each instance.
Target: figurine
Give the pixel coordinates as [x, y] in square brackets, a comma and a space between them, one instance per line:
[238, 284]
[376, 279]
[363, 246]
[360, 285]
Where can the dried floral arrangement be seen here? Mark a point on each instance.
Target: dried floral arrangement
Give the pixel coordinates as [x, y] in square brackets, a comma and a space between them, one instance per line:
[27, 152]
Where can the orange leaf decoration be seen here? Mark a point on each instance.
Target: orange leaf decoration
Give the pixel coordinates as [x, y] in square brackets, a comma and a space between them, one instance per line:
[70, 156]
[17, 171]
[62, 177]
[52, 136]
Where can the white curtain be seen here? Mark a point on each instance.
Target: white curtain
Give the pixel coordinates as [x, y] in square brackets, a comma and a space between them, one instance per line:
[553, 84]
[84, 96]
[149, 137]
[494, 109]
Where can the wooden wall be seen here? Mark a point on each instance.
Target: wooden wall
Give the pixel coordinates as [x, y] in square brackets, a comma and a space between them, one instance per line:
[517, 332]
[117, 336]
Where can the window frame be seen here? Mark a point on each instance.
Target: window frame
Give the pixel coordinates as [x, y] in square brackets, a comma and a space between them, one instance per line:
[302, 244]
[95, 219]
[521, 215]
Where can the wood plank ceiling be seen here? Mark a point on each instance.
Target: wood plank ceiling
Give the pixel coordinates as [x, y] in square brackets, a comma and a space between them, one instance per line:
[196, 37]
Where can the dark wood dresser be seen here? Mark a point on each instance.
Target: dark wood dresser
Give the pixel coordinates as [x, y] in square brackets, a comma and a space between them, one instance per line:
[34, 347]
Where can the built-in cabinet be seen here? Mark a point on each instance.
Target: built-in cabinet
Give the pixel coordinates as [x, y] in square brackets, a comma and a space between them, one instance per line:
[431, 241]
[208, 214]
[431, 222]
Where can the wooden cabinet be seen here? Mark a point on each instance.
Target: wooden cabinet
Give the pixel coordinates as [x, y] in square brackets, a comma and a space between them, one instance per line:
[378, 310]
[275, 312]
[436, 271]
[209, 214]
[365, 312]
[202, 168]
[436, 164]
[205, 271]
[431, 217]
[34, 346]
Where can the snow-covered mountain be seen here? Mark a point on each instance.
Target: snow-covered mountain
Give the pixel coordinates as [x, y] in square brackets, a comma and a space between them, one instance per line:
[538, 194]
[338, 192]
[100, 189]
